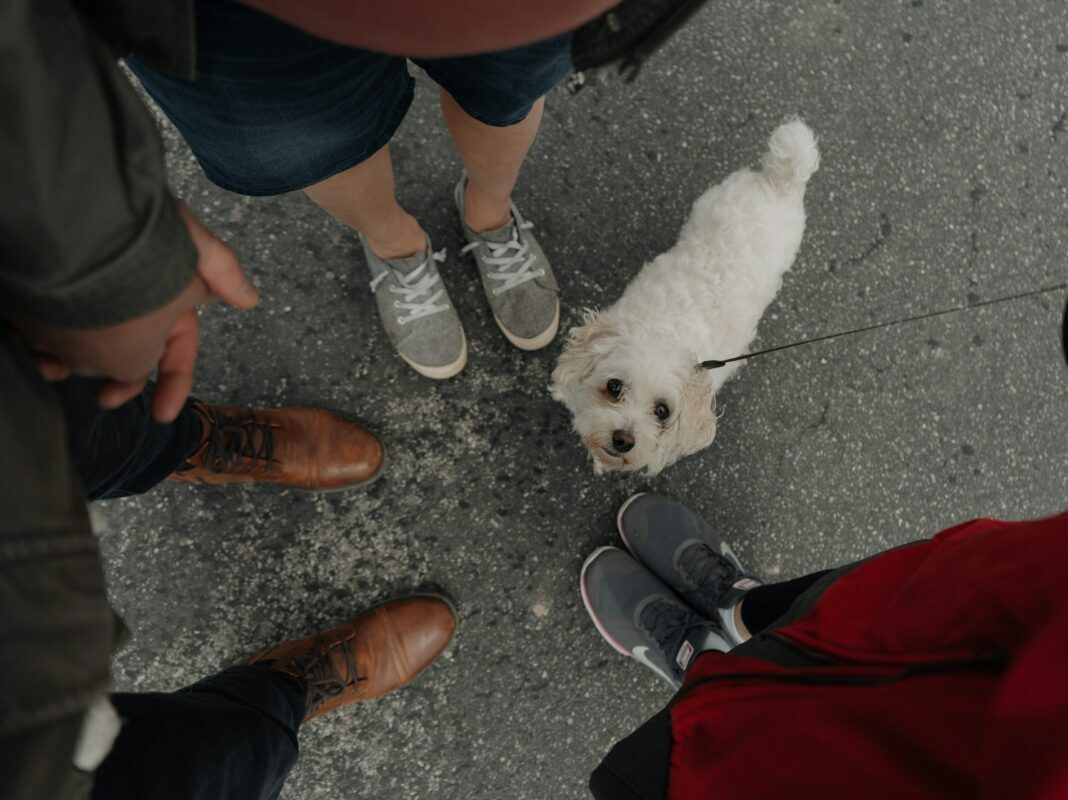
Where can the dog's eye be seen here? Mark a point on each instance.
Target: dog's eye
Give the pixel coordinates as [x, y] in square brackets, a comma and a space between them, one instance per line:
[614, 388]
[662, 411]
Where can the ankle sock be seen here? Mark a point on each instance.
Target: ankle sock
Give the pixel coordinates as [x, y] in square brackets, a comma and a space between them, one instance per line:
[715, 640]
[726, 619]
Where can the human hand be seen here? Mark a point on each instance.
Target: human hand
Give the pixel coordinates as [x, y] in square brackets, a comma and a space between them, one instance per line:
[165, 339]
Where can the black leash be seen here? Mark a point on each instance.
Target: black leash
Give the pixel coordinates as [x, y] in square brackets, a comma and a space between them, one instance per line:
[715, 364]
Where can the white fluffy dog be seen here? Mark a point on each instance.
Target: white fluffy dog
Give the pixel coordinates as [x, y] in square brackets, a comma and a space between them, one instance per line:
[630, 375]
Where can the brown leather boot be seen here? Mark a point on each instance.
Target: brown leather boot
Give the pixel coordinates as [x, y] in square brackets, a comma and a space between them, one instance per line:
[379, 651]
[308, 448]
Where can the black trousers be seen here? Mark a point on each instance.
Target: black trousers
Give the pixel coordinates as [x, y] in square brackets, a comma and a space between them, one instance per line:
[123, 452]
[231, 736]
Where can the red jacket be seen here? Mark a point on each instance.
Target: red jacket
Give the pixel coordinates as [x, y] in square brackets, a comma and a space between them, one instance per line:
[947, 677]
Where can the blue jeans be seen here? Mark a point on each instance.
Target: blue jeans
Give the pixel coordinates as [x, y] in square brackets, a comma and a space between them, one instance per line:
[274, 109]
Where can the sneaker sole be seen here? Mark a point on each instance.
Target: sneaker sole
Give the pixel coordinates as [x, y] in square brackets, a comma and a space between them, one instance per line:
[589, 608]
[543, 339]
[619, 520]
[444, 372]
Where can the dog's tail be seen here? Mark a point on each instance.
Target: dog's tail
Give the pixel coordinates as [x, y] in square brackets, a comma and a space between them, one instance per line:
[792, 155]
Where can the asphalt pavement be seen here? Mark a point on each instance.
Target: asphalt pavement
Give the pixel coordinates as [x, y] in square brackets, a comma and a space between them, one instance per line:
[945, 158]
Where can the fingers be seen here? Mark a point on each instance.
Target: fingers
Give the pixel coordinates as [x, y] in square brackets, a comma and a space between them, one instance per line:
[226, 280]
[52, 369]
[219, 277]
[174, 378]
[218, 266]
[113, 393]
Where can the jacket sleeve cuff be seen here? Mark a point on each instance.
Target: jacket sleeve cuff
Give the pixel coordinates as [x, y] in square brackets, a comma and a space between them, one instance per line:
[150, 272]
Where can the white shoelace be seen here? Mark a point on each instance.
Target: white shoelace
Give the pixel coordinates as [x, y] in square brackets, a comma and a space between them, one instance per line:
[513, 258]
[415, 285]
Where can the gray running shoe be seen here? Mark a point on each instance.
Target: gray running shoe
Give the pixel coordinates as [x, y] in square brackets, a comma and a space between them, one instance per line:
[416, 312]
[683, 552]
[516, 277]
[642, 618]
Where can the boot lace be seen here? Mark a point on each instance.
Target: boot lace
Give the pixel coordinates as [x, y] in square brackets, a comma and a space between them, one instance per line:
[322, 679]
[237, 437]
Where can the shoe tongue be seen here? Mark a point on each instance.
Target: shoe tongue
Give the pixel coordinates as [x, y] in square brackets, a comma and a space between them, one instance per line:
[500, 235]
[703, 564]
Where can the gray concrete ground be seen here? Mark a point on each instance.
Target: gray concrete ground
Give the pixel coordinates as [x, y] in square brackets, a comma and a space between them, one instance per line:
[944, 145]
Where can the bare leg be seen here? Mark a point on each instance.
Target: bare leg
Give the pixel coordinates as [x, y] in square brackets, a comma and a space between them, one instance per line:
[363, 197]
[492, 157]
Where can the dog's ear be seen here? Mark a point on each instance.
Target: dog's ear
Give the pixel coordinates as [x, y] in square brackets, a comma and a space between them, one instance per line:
[585, 345]
[697, 414]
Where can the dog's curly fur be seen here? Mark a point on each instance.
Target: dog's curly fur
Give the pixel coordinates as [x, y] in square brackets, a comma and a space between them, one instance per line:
[700, 300]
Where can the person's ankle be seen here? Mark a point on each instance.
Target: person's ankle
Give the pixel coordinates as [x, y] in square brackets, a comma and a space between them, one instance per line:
[390, 251]
[403, 239]
[482, 214]
[739, 623]
[730, 619]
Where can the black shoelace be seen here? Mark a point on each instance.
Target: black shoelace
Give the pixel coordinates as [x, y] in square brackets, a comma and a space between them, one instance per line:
[670, 625]
[322, 679]
[710, 573]
[236, 437]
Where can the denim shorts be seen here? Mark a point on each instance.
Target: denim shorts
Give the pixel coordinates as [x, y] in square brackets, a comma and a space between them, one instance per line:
[274, 109]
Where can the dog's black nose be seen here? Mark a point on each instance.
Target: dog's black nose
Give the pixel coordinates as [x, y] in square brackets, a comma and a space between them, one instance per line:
[622, 441]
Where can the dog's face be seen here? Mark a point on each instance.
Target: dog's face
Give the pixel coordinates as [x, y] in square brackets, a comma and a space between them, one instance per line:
[638, 401]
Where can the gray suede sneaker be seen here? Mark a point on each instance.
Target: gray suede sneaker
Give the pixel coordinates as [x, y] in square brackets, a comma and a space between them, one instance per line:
[642, 618]
[516, 277]
[416, 312]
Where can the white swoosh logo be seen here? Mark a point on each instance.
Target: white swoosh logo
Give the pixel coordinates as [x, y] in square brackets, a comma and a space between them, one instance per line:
[639, 654]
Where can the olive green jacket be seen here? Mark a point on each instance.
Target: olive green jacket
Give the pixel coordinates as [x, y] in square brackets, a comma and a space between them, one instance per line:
[89, 236]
